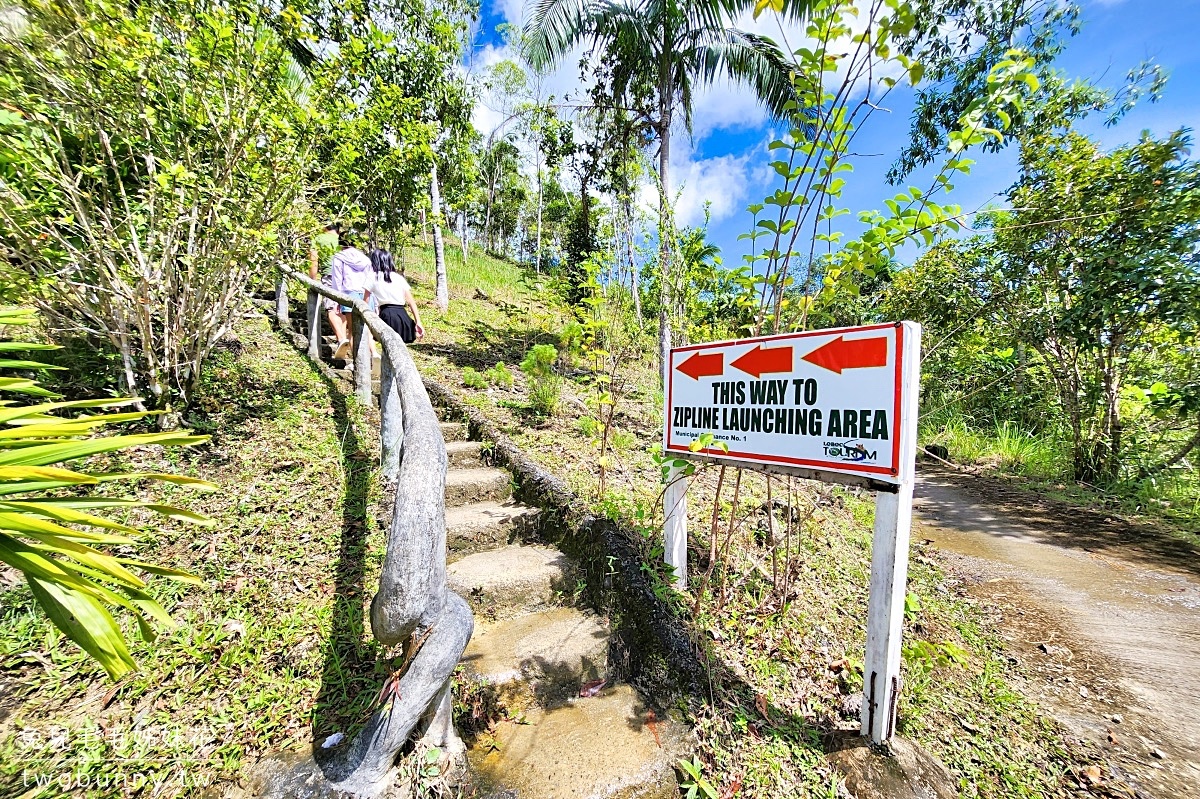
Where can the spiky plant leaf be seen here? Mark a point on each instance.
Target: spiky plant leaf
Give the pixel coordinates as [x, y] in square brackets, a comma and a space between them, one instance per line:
[47, 538]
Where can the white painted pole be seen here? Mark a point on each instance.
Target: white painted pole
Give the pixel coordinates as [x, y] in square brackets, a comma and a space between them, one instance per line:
[889, 562]
[675, 526]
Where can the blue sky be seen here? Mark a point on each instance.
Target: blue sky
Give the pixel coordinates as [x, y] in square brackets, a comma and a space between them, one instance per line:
[725, 162]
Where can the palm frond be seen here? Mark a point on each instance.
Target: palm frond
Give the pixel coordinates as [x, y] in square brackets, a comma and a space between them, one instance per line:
[755, 60]
[555, 27]
[47, 538]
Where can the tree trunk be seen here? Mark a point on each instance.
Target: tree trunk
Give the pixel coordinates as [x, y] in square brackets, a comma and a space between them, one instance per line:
[585, 202]
[424, 230]
[462, 238]
[489, 240]
[442, 291]
[1111, 428]
[634, 277]
[538, 260]
[664, 238]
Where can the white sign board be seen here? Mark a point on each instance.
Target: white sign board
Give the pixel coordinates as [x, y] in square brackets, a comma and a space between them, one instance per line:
[835, 405]
[826, 399]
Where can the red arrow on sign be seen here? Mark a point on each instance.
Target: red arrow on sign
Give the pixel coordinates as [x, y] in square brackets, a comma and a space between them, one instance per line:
[857, 353]
[760, 360]
[700, 365]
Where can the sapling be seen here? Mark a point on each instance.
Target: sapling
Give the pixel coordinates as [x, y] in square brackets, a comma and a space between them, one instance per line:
[545, 384]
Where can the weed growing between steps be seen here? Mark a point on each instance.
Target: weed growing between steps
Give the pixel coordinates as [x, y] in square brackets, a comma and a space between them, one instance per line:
[271, 652]
[785, 665]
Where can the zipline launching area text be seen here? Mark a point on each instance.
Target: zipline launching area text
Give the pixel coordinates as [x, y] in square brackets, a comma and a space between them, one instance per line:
[822, 399]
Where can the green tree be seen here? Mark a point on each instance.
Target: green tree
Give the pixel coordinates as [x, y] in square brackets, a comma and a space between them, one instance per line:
[395, 113]
[973, 364]
[507, 192]
[152, 162]
[957, 41]
[1100, 259]
[663, 51]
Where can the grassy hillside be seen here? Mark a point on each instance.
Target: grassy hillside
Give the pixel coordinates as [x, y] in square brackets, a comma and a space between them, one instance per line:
[786, 664]
[269, 653]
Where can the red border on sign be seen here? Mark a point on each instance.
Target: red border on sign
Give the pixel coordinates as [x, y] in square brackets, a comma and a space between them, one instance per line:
[836, 466]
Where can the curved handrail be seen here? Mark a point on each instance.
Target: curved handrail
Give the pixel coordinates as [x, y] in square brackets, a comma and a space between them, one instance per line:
[413, 603]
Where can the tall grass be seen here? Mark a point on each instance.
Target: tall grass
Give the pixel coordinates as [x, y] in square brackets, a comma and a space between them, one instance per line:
[1005, 447]
[1002, 445]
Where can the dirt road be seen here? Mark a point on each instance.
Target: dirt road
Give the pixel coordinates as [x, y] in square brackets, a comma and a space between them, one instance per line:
[1103, 617]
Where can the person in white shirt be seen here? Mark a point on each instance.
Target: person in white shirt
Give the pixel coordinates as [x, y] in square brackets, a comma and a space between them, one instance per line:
[391, 291]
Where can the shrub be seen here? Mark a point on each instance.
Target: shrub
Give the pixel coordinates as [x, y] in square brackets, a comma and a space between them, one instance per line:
[545, 385]
[153, 171]
[570, 340]
[622, 440]
[499, 375]
[588, 426]
[473, 379]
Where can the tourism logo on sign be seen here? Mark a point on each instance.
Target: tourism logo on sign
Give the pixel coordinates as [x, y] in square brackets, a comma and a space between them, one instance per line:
[850, 451]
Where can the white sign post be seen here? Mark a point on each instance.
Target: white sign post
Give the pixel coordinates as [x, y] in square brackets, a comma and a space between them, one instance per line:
[675, 526]
[832, 405]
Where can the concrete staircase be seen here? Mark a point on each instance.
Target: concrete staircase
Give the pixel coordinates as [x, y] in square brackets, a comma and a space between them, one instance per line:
[535, 651]
[538, 656]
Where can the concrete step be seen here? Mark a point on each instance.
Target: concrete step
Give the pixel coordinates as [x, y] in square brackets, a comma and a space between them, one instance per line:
[464, 454]
[454, 431]
[591, 748]
[539, 658]
[506, 582]
[487, 525]
[465, 486]
[376, 363]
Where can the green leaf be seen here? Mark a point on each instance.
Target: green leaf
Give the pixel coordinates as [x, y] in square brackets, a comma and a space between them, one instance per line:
[6, 363]
[60, 510]
[86, 622]
[57, 452]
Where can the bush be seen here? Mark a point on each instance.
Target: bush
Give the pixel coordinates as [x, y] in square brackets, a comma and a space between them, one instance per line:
[570, 340]
[545, 385]
[588, 426]
[499, 375]
[473, 379]
[155, 168]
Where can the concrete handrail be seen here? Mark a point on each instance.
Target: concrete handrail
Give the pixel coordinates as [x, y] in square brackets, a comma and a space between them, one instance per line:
[397, 363]
[413, 604]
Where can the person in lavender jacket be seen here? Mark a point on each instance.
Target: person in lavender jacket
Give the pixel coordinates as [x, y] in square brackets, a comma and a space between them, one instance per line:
[351, 268]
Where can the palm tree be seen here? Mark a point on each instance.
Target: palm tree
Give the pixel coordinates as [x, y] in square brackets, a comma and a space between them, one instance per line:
[670, 48]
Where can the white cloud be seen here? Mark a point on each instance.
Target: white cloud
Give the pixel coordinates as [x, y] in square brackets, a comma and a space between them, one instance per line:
[512, 10]
[725, 105]
[724, 182]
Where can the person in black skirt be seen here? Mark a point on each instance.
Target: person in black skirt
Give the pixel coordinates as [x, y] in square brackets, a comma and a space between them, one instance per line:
[392, 294]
